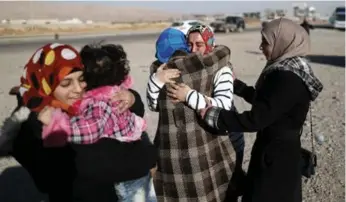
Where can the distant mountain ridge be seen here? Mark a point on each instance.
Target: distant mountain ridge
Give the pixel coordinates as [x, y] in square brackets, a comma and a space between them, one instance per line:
[22, 10]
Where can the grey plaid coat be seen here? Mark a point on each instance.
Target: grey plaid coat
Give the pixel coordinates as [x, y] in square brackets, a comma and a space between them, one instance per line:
[194, 165]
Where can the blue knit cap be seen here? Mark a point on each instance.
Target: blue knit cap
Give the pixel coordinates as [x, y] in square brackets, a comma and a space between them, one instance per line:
[169, 41]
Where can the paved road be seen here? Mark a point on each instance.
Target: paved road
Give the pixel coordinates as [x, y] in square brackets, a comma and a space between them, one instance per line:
[14, 44]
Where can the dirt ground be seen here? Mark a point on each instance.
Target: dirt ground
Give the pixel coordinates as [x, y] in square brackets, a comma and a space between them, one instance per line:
[328, 62]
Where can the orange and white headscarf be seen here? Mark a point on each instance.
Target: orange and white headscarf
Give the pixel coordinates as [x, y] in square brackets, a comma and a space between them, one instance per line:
[44, 71]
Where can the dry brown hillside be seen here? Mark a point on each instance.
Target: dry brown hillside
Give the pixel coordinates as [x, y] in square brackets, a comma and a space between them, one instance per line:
[82, 10]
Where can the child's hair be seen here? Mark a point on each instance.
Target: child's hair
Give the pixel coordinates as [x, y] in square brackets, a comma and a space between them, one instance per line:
[179, 53]
[104, 65]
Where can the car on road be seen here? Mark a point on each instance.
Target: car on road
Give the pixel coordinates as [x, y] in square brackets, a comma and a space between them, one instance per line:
[229, 24]
[184, 26]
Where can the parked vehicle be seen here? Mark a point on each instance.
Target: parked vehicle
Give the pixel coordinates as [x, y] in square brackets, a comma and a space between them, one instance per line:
[338, 18]
[184, 26]
[218, 22]
[229, 24]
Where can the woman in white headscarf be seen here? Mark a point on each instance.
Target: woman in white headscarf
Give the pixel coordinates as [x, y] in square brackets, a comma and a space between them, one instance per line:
[280, 102]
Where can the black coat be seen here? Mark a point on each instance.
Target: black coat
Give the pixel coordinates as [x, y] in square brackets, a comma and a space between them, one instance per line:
[82, 173]
[279, 109]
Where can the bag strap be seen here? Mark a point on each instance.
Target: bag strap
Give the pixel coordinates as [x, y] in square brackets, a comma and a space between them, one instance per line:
[311, 132]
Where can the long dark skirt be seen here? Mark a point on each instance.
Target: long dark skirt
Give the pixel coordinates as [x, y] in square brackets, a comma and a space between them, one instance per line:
[274, 173]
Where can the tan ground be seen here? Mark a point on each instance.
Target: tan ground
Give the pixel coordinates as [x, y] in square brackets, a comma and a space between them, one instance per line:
[29, 30]
[328, 52]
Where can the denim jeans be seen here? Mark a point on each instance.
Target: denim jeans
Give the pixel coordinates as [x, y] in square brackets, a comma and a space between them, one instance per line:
[238, 143]
[138, 190]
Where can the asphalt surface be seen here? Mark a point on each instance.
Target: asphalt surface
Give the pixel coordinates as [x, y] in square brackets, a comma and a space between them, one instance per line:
[17, 44]
[34, 42]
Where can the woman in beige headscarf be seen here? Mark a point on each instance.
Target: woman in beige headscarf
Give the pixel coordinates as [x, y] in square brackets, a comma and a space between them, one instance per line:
[280, 102]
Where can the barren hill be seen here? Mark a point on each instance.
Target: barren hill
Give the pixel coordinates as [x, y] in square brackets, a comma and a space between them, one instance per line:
[83, 10]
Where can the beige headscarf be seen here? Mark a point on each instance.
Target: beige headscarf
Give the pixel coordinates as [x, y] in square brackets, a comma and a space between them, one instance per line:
[290, 42]
[288, 39]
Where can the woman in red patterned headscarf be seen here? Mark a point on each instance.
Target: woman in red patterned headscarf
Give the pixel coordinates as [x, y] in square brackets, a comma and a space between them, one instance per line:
[201, 39]
[53, 77]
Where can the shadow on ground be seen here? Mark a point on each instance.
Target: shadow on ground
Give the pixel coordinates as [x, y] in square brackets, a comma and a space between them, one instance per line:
[323, 26]
[17, 186]
[338, 61]
[254, 52]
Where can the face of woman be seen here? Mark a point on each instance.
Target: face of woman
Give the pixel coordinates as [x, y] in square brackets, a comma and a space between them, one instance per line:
[266, 48]
[71, 88]
[196, 43]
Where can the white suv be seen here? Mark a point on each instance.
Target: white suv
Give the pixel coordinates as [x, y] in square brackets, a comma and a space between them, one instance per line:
[184, 26]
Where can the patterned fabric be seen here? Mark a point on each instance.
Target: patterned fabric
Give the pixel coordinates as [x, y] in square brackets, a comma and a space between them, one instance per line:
[97, 118]
[222, 95]
[169, 41]
[43, 73]
[301, 68]
[194, 164]
[222, 84]
[212, 116]
[207, 35]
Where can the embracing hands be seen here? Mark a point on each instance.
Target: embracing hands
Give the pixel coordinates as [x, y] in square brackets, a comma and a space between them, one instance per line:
[178, 92]
[165, 75]
[202, 112]
[125, 98]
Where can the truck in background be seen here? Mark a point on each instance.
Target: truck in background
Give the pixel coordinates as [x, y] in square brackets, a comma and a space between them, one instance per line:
[229, 24]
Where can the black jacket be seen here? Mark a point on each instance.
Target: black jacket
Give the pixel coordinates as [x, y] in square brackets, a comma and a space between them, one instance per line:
[82, 172]
[279, 109]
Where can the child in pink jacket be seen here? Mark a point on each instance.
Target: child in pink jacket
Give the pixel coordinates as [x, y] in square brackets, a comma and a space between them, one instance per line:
[88, 126]
[96, 115]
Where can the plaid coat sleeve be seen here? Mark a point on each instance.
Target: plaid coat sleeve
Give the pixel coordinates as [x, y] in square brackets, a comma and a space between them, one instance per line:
[211, 117]
[91, 123]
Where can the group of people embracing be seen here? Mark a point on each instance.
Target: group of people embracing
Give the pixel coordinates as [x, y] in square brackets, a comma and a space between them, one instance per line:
[79, 130]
